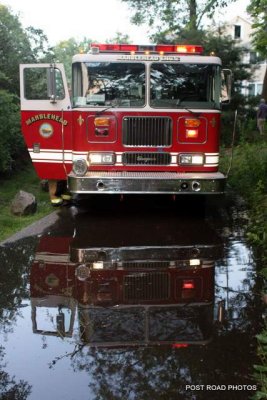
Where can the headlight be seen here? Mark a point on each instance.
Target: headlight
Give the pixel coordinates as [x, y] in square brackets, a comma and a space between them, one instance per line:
[80, 166]
[101, 158]
[191, 159]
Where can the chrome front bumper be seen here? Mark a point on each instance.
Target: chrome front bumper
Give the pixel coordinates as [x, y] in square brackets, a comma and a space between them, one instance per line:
[147, 183]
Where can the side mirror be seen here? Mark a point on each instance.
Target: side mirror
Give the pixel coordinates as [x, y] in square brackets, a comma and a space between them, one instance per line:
[51, 84]
[226, 86]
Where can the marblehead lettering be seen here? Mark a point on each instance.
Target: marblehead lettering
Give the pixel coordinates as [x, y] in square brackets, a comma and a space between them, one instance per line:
[148, 58]
[42, 117]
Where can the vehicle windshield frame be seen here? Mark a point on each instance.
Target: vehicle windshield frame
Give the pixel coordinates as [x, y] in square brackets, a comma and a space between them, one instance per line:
[127, 91]
[209, 88]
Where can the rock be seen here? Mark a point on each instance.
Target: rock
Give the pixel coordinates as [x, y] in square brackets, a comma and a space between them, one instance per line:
[24, 203]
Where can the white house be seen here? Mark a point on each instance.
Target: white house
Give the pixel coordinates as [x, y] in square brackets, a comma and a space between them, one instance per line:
[241, 30]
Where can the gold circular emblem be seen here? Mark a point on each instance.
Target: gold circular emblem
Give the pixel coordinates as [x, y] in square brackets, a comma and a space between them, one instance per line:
[46, 130]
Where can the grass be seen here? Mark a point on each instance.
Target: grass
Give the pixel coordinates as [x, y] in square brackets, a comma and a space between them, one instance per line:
[28, 181]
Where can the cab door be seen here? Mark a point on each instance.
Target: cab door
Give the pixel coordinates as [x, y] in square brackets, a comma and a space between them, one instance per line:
[46, 118]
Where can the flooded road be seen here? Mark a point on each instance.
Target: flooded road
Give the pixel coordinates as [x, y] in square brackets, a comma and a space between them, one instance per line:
[130, 301]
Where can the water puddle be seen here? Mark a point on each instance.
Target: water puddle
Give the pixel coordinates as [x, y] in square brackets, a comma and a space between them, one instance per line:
[129, 304]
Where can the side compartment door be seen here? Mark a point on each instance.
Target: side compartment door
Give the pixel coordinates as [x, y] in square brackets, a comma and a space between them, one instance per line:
[46, 118]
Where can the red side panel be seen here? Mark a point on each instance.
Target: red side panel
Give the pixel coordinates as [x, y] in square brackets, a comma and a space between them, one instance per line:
[48, 136]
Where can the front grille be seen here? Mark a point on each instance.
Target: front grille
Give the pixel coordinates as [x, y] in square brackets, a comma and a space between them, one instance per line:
[146, 158]
[146, 286]
[147, 131]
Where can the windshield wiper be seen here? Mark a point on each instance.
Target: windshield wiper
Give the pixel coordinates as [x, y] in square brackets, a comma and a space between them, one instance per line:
[104, 109]
[191, 111]
[179, 103]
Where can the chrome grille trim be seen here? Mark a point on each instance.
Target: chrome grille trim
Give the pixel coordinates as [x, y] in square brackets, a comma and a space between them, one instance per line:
[132, 158]
[147, 131]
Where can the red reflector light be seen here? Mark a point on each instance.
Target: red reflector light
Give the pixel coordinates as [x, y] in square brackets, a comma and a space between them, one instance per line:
[179, 345]
[188, 285]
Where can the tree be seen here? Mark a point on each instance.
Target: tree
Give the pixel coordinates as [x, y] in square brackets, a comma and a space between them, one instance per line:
[17, 46]
[66, 49]
[11, 142]
[174, 16]
[39, 45]
[258, 11]
[120, 38]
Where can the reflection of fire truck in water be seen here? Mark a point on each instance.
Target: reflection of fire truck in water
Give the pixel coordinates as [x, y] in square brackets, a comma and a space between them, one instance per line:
[141, 119]
[129, 290]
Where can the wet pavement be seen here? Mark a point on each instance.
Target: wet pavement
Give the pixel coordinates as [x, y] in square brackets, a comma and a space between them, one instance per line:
[130, 300]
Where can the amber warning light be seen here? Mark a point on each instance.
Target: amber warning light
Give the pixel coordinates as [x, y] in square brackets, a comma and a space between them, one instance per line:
[147, 49]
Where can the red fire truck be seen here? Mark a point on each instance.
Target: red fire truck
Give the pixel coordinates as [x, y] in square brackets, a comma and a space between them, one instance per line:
[137, 119]
[127, 289]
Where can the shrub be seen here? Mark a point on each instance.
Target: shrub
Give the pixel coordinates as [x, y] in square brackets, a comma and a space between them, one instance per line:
[11, 141]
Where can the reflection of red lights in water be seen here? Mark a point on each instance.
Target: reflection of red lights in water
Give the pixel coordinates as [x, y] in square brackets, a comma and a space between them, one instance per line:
[179, 345]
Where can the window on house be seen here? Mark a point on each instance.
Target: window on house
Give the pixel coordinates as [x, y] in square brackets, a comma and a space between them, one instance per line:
[259, 88]
[253, 57]
[237, 32]
[246, 58]
[255, 89]
[251, 89]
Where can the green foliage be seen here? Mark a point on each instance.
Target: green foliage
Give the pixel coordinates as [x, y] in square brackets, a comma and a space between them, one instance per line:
[66, 49]
[261, 370]
[172, 16]
[249, 169]
[256, 232]
[120, 38]
[258, 11]
[25, 179]
[11, 142]
[39, 45]
[248, 178]
[15, 48]
[246, 125]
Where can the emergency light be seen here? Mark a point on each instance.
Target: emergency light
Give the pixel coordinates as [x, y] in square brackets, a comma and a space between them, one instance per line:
[147, 49]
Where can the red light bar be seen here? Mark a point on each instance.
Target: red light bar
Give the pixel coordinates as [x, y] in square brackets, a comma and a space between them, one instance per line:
[188, 49]
[115, 47]
[128, 47]
[159, 48]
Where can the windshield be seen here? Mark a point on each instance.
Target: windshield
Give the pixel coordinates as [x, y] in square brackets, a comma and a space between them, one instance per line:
[185, 85]
[109, 84]
[123, 84]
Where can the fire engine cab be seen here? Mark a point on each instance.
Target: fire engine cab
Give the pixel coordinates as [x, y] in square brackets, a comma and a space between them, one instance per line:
[137, 119]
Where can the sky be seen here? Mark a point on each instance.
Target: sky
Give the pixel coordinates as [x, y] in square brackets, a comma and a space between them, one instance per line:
[94, 19]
